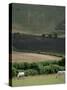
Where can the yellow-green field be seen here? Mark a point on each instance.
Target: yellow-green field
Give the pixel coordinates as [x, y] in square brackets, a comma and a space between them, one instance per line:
[39, 80]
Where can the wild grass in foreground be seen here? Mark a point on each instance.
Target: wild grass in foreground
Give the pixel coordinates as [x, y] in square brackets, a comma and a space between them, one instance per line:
[38, 80]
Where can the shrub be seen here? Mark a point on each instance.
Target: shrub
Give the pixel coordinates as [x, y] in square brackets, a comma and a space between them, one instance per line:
[52, 69]
[34, 66]
[40, 69]
[26, 66]
[62, 62]
[48, 70]
[45, 67]
[15, 65]
[43, 35]
[30, 72]
[49, 35]
[23, 66]
[45, 63]
[14, 72]
[55, 35]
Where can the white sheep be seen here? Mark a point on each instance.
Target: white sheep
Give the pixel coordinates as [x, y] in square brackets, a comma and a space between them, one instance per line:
[20, 74]
[60, 73]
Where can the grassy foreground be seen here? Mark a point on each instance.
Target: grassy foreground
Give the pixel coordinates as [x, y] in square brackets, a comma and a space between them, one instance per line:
[38, 80]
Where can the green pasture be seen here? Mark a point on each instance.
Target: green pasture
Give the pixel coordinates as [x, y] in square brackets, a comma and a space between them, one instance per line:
[38, 80]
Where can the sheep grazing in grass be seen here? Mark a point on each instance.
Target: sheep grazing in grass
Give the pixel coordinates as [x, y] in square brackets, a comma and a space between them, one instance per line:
[60, 73]
[20, 74]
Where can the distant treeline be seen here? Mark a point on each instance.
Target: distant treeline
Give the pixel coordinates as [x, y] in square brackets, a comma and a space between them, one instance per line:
[22, 42]
[44, 67]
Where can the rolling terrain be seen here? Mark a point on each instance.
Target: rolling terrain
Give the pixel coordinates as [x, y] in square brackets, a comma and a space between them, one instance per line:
[37, 45]
[37, 19]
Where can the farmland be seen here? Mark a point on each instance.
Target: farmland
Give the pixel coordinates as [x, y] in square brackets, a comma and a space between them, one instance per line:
[39, 57]
[37, 45]
[38, 80]
[32, 57]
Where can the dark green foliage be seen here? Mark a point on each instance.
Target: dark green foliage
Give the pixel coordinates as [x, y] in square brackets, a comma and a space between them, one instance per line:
[38, 43]
[43, 35]
[54, 68]
[23, 66]
[49, 35]
[15, 65]
[62, 62]
[26, 65]
[45, 63]
[40, 68]
[31, 72]
[46, 67]
[14, 72]
[49, 69]
[34, 66]
[55, 35]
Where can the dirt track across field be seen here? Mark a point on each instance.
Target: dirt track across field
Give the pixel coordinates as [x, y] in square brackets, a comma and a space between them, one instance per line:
[32, 57]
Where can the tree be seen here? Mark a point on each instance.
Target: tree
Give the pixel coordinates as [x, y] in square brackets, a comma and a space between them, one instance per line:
[55, 35]
[49, 35]
[43, 35]
[14, 72]
[62, 62]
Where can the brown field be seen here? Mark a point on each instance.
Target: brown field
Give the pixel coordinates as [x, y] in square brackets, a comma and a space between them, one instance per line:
[32, 57]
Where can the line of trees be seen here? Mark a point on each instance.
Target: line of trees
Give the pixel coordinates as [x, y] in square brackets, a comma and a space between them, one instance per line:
[23, 36]
[45, 67]
[50, 35]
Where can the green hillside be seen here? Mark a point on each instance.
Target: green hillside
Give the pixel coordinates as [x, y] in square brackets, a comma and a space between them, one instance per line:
[36, 19]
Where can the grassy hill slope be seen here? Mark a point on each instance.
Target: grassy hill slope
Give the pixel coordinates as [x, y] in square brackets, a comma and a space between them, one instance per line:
[36, 19]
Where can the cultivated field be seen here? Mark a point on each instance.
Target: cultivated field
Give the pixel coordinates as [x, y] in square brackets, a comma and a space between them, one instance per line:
[38, 80]
[32, 57]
